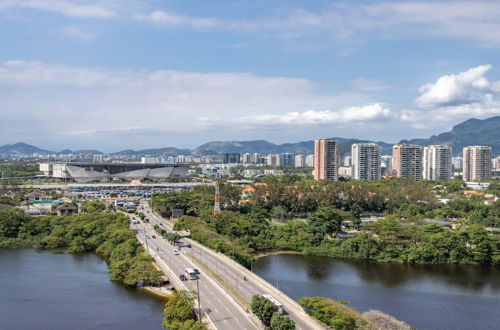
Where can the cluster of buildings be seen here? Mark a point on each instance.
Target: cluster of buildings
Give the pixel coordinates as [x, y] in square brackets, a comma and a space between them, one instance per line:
[434, 162]
[283, 159]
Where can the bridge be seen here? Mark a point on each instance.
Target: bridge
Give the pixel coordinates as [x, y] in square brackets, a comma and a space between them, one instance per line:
[224, 293]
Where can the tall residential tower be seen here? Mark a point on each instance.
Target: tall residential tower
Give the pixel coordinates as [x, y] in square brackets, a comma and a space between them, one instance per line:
[365, 161]
[437, 162]
[477, 163]
[326, 159]
[407, 161]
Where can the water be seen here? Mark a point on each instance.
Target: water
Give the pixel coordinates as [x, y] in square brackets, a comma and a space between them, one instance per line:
[424, 296]
[47, 290]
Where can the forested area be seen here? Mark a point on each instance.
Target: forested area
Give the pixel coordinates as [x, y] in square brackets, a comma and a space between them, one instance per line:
[108, 235]
[314, 215]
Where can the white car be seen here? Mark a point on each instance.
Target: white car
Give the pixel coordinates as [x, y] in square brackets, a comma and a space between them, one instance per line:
[175, 252]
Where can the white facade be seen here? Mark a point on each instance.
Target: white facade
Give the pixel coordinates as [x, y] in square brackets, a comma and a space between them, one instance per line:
[496, 163]
[310, 160]
[477, 163]
[246, 158]
[437, 162]
[457, 163]
[386, 161]
[148, 160]
[300, 161]
[365, 161]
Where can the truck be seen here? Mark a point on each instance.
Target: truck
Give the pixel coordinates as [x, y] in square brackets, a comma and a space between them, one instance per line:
[277, 304]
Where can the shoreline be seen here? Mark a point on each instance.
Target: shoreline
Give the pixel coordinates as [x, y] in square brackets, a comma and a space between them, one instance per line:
[158, 292]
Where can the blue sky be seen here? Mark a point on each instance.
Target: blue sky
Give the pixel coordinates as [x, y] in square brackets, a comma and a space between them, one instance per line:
[122, 74]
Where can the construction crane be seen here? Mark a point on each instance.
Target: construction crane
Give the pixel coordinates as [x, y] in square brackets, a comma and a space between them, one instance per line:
[217, 194]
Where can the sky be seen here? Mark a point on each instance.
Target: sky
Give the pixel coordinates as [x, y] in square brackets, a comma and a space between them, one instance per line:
[120, 74]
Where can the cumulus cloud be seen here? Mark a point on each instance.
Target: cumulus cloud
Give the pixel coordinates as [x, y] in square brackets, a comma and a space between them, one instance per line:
[465, 87]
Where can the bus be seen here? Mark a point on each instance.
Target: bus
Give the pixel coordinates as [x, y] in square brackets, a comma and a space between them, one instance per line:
[191, 274]
[279, 306]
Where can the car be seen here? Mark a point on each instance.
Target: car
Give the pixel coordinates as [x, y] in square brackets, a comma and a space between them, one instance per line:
[175, 252]
[196, 271]
[182, 277]
[147, 236]
[153, 236]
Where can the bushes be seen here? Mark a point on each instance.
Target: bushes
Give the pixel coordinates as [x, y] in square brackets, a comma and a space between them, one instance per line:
[330, 312]
[178, 312]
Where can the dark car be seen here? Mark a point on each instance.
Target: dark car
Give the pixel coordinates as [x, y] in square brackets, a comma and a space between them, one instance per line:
[196, 271]
[153, 236]
[183, 277]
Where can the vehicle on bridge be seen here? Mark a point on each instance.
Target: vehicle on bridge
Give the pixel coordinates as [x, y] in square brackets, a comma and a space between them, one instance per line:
[191, 273]
[279, 306]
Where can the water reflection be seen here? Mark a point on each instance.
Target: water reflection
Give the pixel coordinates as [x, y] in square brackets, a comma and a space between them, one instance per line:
[426, 296]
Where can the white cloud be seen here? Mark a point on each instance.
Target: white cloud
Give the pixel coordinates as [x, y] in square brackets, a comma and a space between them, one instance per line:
[77, 32]
[465, 87]
[368, 84]
[167, 18]
[87, 102]
[73, 8]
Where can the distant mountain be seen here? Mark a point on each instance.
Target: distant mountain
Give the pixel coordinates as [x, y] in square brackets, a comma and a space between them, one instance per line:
[21, 149]
[156, 152]
[471, 132]
[265, 147]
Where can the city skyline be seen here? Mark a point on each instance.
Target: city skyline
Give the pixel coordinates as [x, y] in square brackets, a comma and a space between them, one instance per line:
[149, 73]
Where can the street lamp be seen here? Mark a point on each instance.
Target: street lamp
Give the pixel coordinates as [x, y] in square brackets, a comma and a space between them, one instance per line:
[198, 292]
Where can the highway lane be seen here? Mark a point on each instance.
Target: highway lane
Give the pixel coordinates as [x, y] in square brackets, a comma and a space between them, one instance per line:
[235, 274]
[223, 312]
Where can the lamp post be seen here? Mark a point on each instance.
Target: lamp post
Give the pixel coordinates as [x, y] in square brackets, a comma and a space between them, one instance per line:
[198, 292]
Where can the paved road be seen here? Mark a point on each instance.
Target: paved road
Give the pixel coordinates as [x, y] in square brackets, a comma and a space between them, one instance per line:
[220, 308]
[235, 274]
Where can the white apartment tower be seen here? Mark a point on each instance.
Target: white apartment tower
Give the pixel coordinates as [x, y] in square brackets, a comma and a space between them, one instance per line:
[300, 161]
[477, 163]
[365, 161]
[407, 161]
[437, 162]
[326, 159]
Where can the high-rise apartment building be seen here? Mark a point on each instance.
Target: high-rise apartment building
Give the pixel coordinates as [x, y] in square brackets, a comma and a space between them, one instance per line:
[437, 162]
[274, 160]
[365, 161]
[407, 161]
[326, 159]
[457, 163]
[256, 158]
[231, 158]
[287, 159]
[496, 163]
[246, 158]
[477, 163]
[386, 161]
[300, 161]
[347, 161]
[310, 160]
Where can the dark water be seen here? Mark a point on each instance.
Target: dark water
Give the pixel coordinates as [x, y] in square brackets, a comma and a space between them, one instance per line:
[46, 290]
[424, 296]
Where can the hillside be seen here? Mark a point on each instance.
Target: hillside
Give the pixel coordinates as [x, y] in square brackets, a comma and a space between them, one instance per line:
[470, 132]
[21, 149]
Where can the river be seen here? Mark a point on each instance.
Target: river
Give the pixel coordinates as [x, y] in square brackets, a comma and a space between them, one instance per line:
[424, 296]
[48, 290]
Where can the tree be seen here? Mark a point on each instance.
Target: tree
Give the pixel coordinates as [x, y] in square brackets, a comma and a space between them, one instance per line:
[93, 206]
[178, 312]
[325, 221]
[280, 322]
[263, 308]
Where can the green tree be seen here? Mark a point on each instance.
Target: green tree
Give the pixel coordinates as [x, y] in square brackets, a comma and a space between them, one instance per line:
[93, 206]
[325, 221]
[263, 308]
[178, 312]
[280, 322]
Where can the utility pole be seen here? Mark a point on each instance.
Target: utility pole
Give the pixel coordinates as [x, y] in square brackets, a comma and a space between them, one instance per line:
[198, 292]
[217, 195]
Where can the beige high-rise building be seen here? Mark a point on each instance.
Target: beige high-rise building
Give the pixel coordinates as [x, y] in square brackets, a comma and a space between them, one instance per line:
[437, 162]
[365, 161]
[477, 163]
[407, 161]
[326, 159]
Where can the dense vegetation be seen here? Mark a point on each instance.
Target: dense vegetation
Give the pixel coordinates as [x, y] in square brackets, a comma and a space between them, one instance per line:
[106, 234]
[337, 315]
[179, 312]
[319, 211]
[265, 310]
[18, 169]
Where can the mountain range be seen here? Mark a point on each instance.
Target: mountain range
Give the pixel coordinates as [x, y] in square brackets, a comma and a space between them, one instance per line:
[470, 132]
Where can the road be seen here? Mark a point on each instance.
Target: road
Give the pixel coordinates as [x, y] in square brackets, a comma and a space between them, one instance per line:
[243, 280]
[216, 304]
